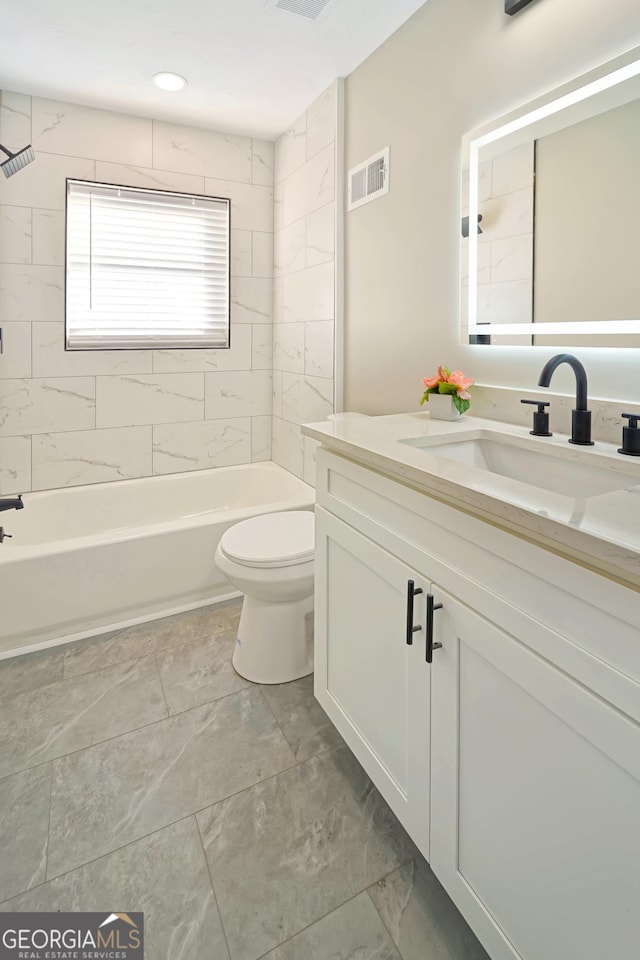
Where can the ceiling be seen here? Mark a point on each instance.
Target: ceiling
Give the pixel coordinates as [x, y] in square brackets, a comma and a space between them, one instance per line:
[251, 68]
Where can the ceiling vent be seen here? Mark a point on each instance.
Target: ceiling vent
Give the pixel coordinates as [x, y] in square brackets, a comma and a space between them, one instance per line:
[369, 180]
[310, 9]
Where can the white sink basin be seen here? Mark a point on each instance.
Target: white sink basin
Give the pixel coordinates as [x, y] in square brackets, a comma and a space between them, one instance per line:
[571, 472]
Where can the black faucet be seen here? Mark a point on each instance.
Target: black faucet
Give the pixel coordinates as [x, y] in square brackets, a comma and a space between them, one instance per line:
[580, 416]
[13, 503]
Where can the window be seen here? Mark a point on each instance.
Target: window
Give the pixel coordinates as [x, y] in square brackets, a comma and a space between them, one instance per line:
[145, 268]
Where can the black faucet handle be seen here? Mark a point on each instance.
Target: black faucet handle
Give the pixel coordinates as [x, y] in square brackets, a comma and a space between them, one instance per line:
[631, 436]
[540, 418]
[540, 404]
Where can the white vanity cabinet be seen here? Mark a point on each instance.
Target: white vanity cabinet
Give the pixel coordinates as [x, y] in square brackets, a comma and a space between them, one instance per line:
[375, 686]
[535, 814]
[513, 760]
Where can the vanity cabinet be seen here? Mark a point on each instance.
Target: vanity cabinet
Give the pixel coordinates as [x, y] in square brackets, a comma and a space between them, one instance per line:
[535, 815]
[513, 759]
[376, 687]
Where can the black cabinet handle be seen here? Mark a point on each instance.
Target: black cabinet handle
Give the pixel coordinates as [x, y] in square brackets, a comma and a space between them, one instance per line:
[431, 646]
[411, 593]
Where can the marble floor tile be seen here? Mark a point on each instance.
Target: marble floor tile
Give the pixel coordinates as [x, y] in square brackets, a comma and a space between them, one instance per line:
[146, 638]
[116, 792]
[199, 671]
[301, 718]
[164, 876]
[71, 714]
[24, 828]
[31, 670]
[422, 919]
[352, 932]
[287, 851]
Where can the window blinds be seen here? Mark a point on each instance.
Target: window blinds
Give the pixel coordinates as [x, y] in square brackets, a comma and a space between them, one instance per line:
[145, 268]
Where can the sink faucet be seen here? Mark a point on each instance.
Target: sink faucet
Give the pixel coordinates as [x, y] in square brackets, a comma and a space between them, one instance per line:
[580, 416]
[13, 503]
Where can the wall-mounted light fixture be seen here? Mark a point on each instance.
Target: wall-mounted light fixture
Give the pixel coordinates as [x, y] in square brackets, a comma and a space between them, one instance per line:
[465, 225]
[513, 6]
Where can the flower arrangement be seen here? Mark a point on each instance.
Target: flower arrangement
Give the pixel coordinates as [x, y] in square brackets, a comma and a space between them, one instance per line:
[455, 384]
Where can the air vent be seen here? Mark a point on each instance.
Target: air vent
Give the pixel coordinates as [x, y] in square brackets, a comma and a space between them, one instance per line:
[311, 9]
[369, 180]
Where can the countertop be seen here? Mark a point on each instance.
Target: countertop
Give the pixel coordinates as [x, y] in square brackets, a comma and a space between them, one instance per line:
[602, 532]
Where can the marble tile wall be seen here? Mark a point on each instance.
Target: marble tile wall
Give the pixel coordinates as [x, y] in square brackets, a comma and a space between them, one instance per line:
[304, 285]
[70, 418]
[505, 247]
[503, 403]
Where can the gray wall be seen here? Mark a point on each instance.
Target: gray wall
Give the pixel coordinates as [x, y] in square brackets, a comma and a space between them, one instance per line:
[455, 65]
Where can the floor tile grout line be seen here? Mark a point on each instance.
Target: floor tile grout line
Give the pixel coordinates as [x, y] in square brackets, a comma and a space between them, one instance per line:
[375, 907]
[171, 716]
[339, 906]
[192, 813]
[89, 746]
[144, 726]
[46, 867]
[63, 679]
[16, 773]
[88, 863]
[66, 647]
[277, 723]
[164, 693]
[177, 646]
[213, 886]
[38, 686]
[194, 816]
[358, 893]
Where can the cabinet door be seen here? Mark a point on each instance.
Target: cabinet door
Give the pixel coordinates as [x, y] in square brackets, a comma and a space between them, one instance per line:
[535, 816]
[373, 685]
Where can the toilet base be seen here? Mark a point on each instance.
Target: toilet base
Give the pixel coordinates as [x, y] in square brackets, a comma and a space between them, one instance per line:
[274, 645]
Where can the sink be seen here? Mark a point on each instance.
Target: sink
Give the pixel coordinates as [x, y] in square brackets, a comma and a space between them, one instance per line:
[552, 468]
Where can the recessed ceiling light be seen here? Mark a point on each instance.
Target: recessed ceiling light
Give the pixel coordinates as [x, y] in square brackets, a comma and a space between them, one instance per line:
[169, 81]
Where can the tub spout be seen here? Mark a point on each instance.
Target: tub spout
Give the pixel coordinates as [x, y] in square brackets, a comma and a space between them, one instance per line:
[11, 503]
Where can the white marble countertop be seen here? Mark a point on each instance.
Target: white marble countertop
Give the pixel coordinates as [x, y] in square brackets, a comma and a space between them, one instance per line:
[601, 532]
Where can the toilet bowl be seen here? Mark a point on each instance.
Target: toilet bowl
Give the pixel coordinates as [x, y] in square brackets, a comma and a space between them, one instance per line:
[270, 559]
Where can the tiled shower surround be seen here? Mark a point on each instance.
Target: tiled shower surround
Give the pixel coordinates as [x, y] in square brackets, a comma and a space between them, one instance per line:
[304, 286]
[74, 418]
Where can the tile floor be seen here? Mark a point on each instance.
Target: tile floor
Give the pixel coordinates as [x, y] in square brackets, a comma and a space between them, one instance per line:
[139, 772]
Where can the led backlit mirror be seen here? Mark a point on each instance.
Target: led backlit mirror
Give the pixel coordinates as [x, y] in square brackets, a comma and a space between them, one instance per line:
[552, 197]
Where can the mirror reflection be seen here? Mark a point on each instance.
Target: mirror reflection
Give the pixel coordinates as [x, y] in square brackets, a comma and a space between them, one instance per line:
[553, 260]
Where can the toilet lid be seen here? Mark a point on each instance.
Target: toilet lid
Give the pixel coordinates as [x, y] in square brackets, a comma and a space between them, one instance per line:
[271, 540]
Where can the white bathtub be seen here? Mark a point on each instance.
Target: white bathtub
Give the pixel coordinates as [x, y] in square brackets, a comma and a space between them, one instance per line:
[84, 560]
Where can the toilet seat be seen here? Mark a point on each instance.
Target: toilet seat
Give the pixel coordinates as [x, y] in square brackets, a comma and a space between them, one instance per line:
[271, 540]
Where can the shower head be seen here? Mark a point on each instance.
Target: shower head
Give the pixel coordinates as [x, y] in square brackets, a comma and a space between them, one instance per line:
[17, 160]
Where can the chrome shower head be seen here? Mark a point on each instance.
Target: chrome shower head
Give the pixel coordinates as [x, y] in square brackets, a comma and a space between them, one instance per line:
[17, 160]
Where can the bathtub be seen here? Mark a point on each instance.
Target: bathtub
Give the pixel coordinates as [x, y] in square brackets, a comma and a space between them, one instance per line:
[85, 560]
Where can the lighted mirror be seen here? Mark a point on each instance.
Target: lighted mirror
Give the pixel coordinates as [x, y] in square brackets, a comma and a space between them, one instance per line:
[550, 209]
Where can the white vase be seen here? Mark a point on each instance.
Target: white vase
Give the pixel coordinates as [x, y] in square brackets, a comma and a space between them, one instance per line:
[442, 407]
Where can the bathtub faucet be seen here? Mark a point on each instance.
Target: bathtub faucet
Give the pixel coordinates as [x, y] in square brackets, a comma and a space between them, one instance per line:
[12, 503]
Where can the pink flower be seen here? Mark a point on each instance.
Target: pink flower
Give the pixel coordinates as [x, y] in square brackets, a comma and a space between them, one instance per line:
[430, 382]
[462, 383]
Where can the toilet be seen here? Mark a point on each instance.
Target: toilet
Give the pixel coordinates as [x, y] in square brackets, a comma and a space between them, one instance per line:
[270, 559]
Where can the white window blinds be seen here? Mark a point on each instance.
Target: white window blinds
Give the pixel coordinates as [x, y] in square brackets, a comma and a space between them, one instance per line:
[145, 268]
